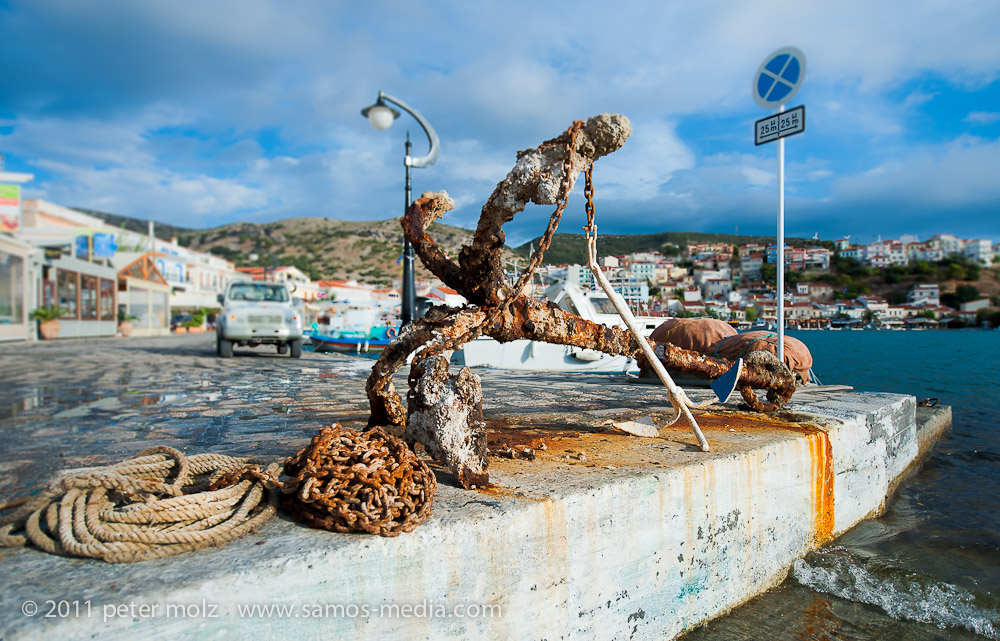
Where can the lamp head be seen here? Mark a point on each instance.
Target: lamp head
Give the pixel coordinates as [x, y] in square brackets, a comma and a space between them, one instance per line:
[380, 115]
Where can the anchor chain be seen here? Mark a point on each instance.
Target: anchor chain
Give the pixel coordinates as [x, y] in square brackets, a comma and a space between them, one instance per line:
[348, 481]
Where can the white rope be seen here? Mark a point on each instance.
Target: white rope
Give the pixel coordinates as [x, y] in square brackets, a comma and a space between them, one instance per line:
[678, 398]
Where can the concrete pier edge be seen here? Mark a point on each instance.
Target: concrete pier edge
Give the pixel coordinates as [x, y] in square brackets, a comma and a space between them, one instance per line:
[648, 540]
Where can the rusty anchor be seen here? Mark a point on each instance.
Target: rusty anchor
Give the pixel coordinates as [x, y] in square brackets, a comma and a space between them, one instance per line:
[445, 412]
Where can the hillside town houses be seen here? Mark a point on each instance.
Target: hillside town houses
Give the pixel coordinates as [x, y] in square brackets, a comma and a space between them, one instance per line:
[724, 281]
[98, 274]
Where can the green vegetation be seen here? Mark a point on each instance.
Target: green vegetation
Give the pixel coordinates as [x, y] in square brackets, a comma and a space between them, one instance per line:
[572, 248]
[198, 317]
[228, 253]
[304, 263]
[991, 316]
[162, 230]
[48, 313]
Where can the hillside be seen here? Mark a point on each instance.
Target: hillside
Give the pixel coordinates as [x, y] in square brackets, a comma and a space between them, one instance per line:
[572, 248]
[163, 230]
[323, 248]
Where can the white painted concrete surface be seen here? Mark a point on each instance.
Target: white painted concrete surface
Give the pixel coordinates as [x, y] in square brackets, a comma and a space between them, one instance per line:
[646, 539]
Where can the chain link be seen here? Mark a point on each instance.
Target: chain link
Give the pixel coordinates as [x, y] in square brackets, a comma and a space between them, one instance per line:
[588, 192]
[536, 258]
[348, 481]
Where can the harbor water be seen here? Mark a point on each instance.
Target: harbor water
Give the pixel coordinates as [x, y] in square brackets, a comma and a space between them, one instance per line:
[929, 568]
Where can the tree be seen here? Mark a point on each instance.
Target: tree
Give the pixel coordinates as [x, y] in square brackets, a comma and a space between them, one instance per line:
[990, 316]
[896, 297]
[955, 271]
[751, 313]
[768, 273]
[893, 275]
[965, 293]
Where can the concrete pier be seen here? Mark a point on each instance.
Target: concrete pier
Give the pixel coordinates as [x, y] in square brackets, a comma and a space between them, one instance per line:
[602, 536]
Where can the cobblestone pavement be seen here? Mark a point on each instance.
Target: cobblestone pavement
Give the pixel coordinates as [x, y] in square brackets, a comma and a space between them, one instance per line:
[77, 403]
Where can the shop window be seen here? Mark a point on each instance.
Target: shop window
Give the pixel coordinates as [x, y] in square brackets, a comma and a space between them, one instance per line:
[107, 300]
[88, 297]
[138, 305]
[161, 303]
[11, 288]
[67, 290]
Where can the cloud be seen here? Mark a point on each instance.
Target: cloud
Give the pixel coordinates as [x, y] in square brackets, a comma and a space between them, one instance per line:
[958, 173]
[248, 109]
[982, 117]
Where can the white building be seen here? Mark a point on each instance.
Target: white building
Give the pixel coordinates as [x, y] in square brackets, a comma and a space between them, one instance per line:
[643, 271]
[947, 243]
[580, 275]
[631, 289]
[924, 295]
[979, 250]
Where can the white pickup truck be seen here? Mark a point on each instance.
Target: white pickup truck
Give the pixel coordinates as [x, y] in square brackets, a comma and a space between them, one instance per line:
[255, 313]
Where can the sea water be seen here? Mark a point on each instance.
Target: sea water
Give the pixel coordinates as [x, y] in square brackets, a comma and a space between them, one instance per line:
[929, 568]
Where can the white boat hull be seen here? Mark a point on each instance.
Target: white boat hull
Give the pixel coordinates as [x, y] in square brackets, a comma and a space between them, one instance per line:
[525, 354]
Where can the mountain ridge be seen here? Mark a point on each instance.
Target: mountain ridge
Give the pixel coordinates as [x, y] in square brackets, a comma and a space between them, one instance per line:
[331, 249]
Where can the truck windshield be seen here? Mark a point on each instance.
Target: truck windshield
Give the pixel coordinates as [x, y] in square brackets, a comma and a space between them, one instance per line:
[258, 292]
[603, 305]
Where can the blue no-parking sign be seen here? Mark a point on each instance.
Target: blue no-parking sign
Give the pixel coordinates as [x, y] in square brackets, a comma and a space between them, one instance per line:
[779, 77]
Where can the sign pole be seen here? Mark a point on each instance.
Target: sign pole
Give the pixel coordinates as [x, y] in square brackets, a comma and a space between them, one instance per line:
[777, 80]
[781, 245]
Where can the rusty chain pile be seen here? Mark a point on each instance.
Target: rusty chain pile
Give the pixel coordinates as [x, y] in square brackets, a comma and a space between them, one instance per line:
[346, 481]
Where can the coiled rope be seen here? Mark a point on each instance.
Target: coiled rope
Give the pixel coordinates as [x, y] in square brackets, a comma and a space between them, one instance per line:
[157, 504]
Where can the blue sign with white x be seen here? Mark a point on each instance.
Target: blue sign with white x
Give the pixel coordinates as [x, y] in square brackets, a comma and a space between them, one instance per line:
[779, 77]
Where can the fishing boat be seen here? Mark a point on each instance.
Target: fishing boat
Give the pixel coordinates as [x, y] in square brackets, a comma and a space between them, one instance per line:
[524, 354]
[354, 342]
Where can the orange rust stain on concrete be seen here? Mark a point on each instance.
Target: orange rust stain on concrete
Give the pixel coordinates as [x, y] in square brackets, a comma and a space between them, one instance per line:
[821, 457]
[618, 448]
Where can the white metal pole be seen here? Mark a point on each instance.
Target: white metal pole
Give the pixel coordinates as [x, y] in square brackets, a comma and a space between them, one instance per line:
[781, 245]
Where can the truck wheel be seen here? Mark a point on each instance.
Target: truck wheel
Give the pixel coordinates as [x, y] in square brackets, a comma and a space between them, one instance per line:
[296, 346]
[224, 347]
[282, 348]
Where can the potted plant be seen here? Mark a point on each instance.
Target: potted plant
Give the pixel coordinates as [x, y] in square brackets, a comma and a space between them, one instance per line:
[196, 323]
[125, 326]
[48, 320]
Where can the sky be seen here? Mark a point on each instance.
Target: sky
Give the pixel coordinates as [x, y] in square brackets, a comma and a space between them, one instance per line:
[204, 113]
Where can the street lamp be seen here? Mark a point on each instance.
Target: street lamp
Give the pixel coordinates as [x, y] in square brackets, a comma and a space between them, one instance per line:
[381, 116]
[254, 256]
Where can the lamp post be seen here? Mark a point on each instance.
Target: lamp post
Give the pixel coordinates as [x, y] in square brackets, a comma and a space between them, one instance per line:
[254, 256]
[381, 116]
